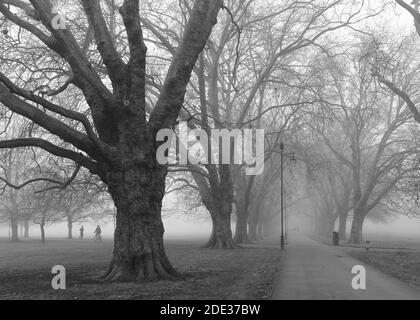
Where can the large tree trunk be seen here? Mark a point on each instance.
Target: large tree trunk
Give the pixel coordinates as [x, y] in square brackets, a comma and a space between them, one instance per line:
[221, 235]
[69, 227]
[122, 151]
[218, 197]
[356, 234]
[241, 234]
[139, 252]
[26, 225]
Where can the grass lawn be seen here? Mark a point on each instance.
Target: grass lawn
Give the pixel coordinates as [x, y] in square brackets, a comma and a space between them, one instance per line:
[403, 265]
[25, 272]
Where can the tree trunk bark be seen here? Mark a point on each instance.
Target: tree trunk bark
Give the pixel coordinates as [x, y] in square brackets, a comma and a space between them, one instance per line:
[26, 225]
[356, 234]
[221, 235]
[139, 252]
[241, 234]
[42, 226]
[219, 204]
[69, 228]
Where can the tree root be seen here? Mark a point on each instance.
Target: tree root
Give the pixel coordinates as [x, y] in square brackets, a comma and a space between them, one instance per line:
[145, 271]
[242, 240]
[221, 243]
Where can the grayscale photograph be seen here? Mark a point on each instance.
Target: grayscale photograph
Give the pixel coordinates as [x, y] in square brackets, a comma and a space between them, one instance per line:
[209, 157]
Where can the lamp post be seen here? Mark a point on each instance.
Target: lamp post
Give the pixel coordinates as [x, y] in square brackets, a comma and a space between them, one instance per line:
[293, 161]
[282, 196]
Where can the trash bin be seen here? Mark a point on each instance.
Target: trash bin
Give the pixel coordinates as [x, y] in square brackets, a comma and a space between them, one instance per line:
[336, 239]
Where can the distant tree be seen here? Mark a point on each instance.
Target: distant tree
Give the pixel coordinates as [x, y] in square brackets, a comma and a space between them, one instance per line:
[249, 56]
[46, 207]
[378, 156]
[82, 203]
[14, 171]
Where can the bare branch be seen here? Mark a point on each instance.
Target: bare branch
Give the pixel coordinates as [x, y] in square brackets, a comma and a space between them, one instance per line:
[53, 149]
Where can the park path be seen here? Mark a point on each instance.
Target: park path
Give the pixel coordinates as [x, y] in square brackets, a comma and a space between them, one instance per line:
[314, 271]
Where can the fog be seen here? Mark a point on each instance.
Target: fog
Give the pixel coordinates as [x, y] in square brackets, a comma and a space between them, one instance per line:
[190, 228]
[176, 228]
[324, 94]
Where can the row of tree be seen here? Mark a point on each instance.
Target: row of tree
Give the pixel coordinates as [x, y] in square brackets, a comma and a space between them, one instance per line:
[41, 196]
[97, 93]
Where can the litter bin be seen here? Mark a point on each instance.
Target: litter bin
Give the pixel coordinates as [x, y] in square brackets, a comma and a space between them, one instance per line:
[336, 239]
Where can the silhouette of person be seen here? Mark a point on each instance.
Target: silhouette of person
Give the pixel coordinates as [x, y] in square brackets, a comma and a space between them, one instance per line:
[98, 232]
[82, 230]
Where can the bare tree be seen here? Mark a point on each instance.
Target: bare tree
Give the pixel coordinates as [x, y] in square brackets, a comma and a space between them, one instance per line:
[82, 203]
[244, 63]
[376, 155]
[46, 208]
[120, 146]
[388, 61]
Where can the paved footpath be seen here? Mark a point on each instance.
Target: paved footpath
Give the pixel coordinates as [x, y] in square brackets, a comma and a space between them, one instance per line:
[314, 271]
